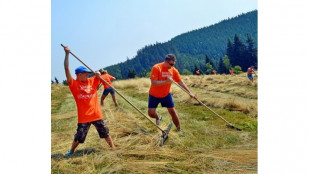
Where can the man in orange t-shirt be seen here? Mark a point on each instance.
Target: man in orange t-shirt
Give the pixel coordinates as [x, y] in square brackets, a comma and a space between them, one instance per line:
[162, 76]
[89, 112]
[107, 88]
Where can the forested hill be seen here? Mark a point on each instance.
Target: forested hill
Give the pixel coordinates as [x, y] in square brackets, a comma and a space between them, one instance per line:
[190, 48]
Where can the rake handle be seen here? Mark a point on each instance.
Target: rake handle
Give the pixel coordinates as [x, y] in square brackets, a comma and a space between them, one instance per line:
[203, 104]
[116, 91]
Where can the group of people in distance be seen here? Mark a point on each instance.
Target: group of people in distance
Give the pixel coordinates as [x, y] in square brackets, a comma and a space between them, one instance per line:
[84, 91]
[250, 72]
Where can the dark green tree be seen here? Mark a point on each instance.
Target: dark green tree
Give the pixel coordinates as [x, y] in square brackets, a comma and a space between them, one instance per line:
[195, 69]
[237, 69]
[227, 64]
[186, 72]
[251, 52]
[143, 73]
[210, 61]
[64, 82]
[239, 57]
[56, 80]
[52, 82]
[209, 68]
[221, 68]
[132, 74]
[230, 50]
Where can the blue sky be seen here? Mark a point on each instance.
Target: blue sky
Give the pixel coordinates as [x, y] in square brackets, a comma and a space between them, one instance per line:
[104, 33]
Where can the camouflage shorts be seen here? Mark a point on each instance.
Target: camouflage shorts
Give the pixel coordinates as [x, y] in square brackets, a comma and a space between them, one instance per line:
[82, 130]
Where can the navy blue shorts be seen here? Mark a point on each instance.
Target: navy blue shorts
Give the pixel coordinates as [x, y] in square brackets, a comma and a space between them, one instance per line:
[108, 90]
[165, 101]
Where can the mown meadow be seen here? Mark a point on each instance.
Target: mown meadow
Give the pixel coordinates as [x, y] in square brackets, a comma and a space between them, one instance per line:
[205, 146]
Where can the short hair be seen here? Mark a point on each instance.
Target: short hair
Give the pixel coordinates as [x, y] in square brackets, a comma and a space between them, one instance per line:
[170, 57]
[103, 71]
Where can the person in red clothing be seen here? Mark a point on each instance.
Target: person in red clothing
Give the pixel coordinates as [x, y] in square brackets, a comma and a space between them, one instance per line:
[250, 73]
[231, 72]
[162, 76]
[214, 72]
[85, 94]
[107, 88]
[197, 72]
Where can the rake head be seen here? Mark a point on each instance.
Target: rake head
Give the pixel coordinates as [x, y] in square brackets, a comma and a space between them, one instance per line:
[233, 127]
[165, 133]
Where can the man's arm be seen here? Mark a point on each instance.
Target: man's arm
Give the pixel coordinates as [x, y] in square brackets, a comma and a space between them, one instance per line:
[182, 84]
[66, 65]
[111, 77]
[155, 72]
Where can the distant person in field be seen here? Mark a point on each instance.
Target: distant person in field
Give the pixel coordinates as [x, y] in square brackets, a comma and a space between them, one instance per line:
[231, 72]
[250, 73]
[214, 72]
[107, 89]
[197, 72]
[89, 112]
[162, 76]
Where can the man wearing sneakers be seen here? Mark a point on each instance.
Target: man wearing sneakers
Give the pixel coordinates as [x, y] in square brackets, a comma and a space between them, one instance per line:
[162, 76]
[107, 88]
[89, 112]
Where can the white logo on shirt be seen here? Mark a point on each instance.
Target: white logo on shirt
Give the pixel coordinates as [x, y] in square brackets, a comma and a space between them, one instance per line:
[85, 92]
[166, 74]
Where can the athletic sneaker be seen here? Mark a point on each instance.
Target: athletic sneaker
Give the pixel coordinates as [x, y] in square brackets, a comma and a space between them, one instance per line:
[158, 120]
[180, 131]
[68, 154]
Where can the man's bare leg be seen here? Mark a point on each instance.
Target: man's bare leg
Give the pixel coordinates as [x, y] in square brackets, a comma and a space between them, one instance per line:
[175, 117]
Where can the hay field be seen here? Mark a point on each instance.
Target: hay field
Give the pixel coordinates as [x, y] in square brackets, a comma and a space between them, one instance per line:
[206, 146]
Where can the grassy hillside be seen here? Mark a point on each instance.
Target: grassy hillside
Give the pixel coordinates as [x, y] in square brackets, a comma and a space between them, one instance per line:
[206, 146]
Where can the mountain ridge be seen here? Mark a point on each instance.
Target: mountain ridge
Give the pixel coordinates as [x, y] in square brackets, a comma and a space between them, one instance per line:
[191, 47]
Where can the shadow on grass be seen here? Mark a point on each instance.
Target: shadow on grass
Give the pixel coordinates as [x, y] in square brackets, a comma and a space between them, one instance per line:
[77, 153]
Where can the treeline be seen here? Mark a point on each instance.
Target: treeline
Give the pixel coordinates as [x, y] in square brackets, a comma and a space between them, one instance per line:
[64, 82]
[192, 47]
[239, 56]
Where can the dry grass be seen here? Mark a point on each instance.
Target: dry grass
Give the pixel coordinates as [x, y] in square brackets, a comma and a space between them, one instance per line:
[206, 146]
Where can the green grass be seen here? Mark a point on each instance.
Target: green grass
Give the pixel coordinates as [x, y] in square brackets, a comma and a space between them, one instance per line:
[206, 146]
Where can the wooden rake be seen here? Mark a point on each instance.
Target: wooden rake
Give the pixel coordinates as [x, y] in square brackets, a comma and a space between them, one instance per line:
[164, 132]
[229, 125]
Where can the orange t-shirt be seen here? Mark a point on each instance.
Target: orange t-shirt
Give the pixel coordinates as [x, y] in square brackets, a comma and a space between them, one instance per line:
[159, 72]
[86, 98]
[108, 79]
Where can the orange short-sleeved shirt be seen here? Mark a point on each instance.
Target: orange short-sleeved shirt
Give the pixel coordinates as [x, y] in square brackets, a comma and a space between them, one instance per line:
[108, 79]
[159, 72]
[86, 98]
